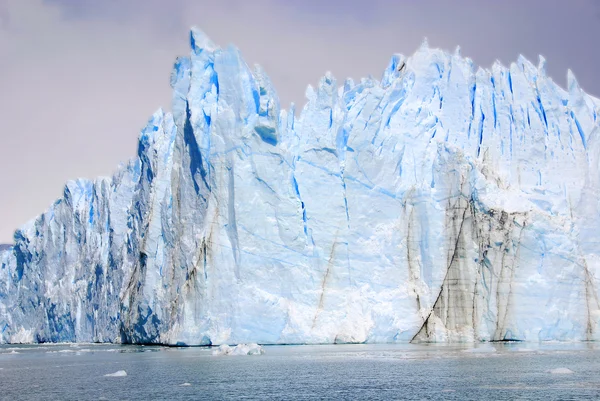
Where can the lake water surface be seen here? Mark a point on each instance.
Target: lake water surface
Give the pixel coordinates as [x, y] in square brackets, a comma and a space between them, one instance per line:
[379, 372]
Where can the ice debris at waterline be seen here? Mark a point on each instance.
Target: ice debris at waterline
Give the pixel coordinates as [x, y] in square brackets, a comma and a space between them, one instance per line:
[442, 203]
[240, 349]
[560, 371]
[118, 373]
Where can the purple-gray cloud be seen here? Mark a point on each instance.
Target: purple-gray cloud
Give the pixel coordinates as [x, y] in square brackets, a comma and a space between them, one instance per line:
[4, 15]
[79, 78]
[166, 16]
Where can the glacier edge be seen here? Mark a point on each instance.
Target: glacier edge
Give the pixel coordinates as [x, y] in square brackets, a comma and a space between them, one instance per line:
[443, 203]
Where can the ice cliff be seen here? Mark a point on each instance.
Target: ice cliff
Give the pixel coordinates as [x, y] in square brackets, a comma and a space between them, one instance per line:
[442, 203]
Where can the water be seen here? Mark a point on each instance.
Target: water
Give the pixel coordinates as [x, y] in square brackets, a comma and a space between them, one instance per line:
[379, 372]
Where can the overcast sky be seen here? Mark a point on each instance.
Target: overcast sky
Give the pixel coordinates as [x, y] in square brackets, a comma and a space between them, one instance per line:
[79, 78]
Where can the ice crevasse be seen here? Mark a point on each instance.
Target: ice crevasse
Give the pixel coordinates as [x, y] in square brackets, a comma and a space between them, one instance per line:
[443, 203]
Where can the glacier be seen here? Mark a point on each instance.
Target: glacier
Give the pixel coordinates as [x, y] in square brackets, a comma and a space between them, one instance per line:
[443, 203]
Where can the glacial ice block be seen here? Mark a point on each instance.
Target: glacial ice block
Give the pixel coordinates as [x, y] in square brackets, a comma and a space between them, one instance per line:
[443, 203]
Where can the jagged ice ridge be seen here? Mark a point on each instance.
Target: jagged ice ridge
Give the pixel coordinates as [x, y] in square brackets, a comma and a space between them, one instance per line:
[441, 203]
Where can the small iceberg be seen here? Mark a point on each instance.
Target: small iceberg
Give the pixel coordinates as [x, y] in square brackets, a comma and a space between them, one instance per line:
[118, 373]
[560, 371]
[240, 349]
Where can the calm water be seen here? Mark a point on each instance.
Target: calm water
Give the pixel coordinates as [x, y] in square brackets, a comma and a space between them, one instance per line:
[381, 372]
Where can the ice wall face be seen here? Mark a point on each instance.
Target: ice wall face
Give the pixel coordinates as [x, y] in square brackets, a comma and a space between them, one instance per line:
[440, 204]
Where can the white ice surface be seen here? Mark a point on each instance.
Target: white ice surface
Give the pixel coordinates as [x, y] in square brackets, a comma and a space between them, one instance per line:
[118, 373]
[240, 349]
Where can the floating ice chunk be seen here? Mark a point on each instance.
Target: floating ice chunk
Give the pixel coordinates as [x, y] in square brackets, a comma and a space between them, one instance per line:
[560, 371]
[240, 349]
[248, 349]
[118, 373]
[222, 350]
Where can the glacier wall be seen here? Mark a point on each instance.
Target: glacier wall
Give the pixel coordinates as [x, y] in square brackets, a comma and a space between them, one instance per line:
[442, 203]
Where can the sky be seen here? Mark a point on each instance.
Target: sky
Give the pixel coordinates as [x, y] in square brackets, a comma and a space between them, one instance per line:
[80, 78]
